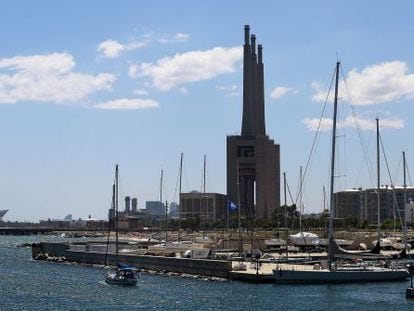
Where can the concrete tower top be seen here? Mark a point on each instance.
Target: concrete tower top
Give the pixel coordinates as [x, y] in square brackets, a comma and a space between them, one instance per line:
[253, 122]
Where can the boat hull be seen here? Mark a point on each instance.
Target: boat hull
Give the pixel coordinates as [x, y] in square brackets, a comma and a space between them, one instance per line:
[124, 282]
[304, 239]
[275, 242]
[121, 276]
[338, 276]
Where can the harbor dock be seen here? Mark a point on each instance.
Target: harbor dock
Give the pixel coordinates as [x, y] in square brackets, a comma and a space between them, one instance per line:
[253, 272]
[201, 267]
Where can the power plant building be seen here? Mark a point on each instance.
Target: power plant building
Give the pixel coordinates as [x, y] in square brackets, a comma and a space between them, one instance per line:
[253, 160]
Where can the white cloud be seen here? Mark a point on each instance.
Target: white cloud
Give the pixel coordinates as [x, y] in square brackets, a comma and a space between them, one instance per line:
[350, 121]
[179, 37]
[313, 124]
[183, 90]
[231, 90]
[280, 91]
[379, 83]
[113, 49]
[140, 92]
[170, 72]
[133, 71]
[128, 104]
[47, 78]
[110, 48]
[228, 88]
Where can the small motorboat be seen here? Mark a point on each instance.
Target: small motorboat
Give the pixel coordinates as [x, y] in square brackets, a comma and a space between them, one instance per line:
[122, 275]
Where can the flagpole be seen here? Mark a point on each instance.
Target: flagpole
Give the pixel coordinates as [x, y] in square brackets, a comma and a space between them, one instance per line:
[239, 210]
[227, 211]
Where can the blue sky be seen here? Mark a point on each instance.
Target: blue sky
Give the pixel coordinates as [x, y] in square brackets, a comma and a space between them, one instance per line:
[88, 84]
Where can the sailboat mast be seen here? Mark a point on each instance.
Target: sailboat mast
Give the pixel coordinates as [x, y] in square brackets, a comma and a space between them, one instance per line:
[179, 198]
[300, 199]
[161, 182]
[161, 178]
[331, 206]
[166, 221]
[284, 190]
[116, 208]
[378, 183]
[286, 212]
[405, 202]
[204, 194]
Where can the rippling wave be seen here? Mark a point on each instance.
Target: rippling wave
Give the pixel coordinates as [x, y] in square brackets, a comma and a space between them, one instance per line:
[26, 284]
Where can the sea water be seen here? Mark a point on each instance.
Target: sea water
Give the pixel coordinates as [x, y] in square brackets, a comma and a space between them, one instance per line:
[26, 284]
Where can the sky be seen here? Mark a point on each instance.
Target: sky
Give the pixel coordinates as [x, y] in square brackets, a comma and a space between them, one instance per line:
[86, 85]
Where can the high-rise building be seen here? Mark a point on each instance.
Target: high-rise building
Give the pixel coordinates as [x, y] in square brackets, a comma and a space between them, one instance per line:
[174, 209]
[134, 205]
[362, 204]
[127, 204]
[253, 160]
[155, 209]
[209, 207]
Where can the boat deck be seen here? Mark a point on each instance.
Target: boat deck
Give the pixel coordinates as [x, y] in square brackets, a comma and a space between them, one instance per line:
[262, 275]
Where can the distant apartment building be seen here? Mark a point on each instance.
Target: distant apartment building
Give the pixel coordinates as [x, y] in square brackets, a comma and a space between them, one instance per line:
[174, 209]
[349, 204]
[362, 204]
[155, 209]
[134, 205]
[210, 207]
[127, 204]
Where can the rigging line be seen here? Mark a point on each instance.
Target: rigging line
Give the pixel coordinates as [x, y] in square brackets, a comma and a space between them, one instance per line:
[345, 157]
[363, 162]
[177, 182]
[397, 173]
[121, 190]
[391, 181]
[299, 185]
[359, 131]
[291, 200]
[290, 193]
[408, 171]
[386, 160]
[316, 133]
[185, 179]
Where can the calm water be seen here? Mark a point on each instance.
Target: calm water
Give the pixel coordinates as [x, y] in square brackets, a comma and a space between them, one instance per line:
[34, 285]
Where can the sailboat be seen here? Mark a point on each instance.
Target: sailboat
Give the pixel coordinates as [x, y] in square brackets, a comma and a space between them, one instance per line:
[328, 271]
[303, 238]
[123, 274]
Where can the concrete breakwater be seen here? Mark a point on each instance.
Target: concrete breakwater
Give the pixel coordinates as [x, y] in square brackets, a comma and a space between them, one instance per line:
[203, 267]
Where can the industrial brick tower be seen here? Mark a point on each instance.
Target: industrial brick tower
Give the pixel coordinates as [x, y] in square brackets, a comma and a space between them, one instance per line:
[253, 160]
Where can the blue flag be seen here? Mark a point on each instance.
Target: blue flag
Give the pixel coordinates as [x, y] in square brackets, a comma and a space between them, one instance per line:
[231, 206]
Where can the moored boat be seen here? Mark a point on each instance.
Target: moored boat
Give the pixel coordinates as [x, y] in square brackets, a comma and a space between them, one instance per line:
[304, 239]
[122, 275]
[339, 242]
[2, 213]
[331, 273]
[339, 275]
[275, 242]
